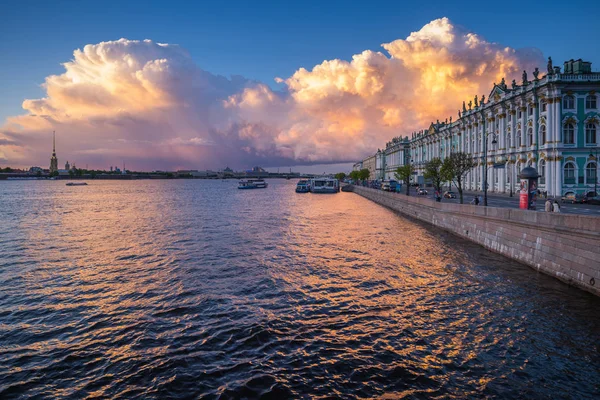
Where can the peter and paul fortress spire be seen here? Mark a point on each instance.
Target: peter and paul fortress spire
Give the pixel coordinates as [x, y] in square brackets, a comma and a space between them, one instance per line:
[53, 159]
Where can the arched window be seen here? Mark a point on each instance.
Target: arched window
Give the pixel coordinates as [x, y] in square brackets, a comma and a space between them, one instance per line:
[518, 139]
[543, 134]
[530, 137]
[590, 102]
[542, 171]
[590, 134]
[569, 134]
[591, 171]
[508, 143]
[568, 102]
[569, 173]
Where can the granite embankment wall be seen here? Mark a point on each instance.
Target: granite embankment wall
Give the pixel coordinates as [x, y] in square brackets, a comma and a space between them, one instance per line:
[561, 245]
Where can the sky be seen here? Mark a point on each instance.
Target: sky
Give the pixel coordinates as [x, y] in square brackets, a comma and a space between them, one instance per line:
[246, 83]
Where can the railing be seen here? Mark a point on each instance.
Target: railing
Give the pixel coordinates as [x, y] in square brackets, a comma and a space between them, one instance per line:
[570, 181]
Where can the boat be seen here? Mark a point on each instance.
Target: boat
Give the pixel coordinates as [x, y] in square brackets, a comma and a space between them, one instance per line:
[324, 185]
[303, 186]
[252, 184]
[77, 184]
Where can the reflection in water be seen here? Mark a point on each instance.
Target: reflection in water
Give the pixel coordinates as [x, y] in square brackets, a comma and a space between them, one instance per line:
[161, 289]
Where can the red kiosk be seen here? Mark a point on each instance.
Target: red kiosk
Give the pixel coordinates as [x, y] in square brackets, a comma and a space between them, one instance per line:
[529, 187]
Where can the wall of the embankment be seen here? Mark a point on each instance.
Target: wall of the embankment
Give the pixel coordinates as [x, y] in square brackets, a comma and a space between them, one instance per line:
[565, 246]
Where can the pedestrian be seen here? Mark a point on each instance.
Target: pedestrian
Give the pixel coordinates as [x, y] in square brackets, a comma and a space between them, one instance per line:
[479, 200]
[556, 207]
[476, 200]
[548, 206]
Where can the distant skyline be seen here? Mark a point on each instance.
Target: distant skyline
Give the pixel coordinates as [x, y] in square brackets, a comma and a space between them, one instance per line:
[246, 84]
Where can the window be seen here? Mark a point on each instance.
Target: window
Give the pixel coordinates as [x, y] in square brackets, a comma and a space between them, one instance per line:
[542, 171]
[544, 106]
[543, 134]
[530, 137]
[518, 142]
[569, 134]
[590, 101]
[530, 111]
[568, 102]
[520, 114]
[569, 173]
[590, 134]
[590, 173]
[508, 144]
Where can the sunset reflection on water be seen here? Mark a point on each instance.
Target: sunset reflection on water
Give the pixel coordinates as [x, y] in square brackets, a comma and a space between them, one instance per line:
[161, 289]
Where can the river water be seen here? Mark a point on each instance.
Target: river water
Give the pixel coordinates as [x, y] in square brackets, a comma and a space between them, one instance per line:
[194, 289]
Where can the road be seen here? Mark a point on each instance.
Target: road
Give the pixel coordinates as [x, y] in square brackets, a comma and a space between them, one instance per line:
[504, 201]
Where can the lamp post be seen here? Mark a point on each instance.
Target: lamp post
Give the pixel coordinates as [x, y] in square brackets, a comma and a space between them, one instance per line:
[596, 171]
[485, 151]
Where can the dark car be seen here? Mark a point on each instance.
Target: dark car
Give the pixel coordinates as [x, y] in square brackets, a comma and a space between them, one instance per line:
[449, 195]
[422, 192]
[593, 200]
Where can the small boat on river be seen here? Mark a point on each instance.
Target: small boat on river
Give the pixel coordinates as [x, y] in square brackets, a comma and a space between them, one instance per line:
[324, 185]
[252, 184]
[303, 186]
[77, 184]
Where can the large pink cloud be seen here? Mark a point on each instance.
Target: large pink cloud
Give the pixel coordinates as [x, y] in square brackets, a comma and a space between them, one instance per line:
[149, 104]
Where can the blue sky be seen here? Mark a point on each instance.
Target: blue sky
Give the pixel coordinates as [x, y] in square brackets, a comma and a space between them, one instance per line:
[262, 40]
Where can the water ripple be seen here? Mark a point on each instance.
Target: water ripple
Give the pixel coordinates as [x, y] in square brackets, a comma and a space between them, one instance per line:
[193, 289]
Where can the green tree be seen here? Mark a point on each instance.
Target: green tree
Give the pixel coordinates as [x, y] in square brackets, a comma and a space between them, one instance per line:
[364, 174]
[355, 176]
[71, 173]
[456, 167]
[403, 174]
[435, 172]
[340, 176]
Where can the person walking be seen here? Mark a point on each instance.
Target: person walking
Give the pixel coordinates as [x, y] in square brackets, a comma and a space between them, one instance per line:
[476, 199]
[556, 207]
[548, 206]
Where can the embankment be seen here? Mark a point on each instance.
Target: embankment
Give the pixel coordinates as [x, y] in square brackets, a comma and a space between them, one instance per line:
[561, 245]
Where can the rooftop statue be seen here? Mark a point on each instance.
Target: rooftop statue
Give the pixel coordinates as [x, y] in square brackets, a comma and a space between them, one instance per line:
[459, 116]
[483, 99]
[550, 69]
[464, 107]
[446, 121]
[514, 84]
[503, 84]
[476, 103]
[470, 103]
[525, 77]
[450, 119]
[536, 72]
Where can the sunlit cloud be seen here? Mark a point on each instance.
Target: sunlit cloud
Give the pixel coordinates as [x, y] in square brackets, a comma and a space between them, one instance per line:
[150, 104]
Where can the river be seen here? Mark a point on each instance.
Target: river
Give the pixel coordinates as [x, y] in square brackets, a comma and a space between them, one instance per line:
[194, 289]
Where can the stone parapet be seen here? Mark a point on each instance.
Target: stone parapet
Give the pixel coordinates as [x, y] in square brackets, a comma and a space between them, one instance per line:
[565, 246]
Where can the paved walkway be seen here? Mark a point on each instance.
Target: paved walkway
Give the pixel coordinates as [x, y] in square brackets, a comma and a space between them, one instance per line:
[505, 201]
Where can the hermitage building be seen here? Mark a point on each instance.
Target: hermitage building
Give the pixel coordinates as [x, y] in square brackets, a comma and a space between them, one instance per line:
[550, 123]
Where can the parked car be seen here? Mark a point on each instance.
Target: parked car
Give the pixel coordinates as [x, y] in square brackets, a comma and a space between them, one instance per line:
[422, 192]
[449, 195]
[593, 200]
[573, 198]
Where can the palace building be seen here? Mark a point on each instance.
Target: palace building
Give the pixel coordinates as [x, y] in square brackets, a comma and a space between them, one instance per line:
[550, 123]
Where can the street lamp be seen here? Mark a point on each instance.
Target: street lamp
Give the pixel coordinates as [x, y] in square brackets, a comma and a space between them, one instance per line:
[596, 171]
[485, 146]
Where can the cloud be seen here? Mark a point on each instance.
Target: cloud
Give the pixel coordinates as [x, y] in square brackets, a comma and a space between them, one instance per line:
[150, 104]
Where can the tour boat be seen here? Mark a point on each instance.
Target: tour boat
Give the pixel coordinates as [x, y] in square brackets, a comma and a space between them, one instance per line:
[77, 184]
[302, 186]
[324, 185]
[252, 184]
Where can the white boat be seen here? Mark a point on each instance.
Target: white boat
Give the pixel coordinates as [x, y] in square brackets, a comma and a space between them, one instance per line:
[303, 186]
[324, 185]
[77, 184]
[252, 184]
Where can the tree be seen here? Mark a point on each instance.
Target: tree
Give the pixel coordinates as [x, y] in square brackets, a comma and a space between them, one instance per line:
[456, 167]
[355, 176]
[340, 176]
[436, 173]
[403, 174]
[364, 174]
